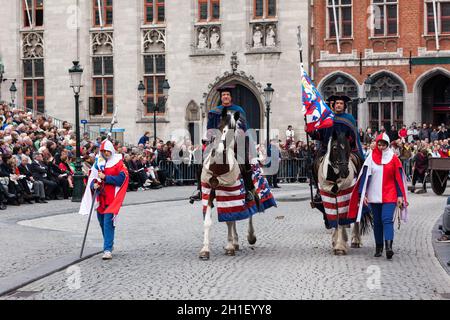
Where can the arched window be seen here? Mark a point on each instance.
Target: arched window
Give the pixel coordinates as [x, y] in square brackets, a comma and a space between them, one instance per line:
[350, 89]
[386, 102]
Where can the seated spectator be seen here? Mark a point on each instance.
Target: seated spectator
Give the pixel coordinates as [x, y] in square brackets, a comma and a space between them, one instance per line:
[19, 181]
[37, 186]
[39, 170]
[55, 174]
[65, 167]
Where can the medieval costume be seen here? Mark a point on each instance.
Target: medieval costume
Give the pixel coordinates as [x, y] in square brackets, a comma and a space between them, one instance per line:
[325, 201]
[110, 194]
[382, 182]
[236, 202]
[343, 122]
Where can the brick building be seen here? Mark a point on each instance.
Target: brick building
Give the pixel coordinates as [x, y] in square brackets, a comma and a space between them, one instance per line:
[394, 42]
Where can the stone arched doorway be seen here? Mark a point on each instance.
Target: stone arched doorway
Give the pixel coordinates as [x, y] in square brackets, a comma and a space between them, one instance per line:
[247, 93]
[244, 97]
[436, 100]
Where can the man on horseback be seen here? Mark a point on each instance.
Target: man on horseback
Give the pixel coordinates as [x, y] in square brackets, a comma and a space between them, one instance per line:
[343, 123]
[214, 120]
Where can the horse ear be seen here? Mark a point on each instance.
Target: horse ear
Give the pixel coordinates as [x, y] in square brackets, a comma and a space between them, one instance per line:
[334, 135]
[237, 116]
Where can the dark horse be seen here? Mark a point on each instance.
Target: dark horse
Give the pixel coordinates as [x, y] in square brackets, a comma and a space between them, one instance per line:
[336, 171]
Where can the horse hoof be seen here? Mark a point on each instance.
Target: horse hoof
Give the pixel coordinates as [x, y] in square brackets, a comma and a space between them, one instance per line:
[339, 253]
[251, 240]
[236, 247]
[356, 245]
[204, 256]
[230, 253]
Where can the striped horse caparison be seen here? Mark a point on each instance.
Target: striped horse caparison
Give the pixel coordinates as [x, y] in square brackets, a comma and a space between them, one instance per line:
[336, 173]
[221, 181]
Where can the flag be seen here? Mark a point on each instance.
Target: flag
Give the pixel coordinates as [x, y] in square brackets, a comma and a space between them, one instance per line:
[317, 113]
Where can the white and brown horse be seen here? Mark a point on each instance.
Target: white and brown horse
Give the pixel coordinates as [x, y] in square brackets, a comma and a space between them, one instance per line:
[221, 172]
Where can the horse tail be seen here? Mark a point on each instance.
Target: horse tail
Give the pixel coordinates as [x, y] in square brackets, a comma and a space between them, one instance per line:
[366, 222]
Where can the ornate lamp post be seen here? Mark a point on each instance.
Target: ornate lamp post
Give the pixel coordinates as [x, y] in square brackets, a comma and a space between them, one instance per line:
[339, 84]
[13, 91]
[368, 85]
[75, 77]
[268, 95]
[141, 90]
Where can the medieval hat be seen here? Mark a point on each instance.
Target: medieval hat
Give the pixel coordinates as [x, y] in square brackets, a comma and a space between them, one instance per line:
[344, 98]
[227, 88]
[332, 99]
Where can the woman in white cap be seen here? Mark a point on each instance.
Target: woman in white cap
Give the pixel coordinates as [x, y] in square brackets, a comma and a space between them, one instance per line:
[381, 186]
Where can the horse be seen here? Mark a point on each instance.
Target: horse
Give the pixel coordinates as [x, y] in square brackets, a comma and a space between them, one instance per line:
[336, 174]
[221, 172]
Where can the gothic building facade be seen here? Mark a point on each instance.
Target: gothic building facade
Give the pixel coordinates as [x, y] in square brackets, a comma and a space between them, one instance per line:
[197, 45]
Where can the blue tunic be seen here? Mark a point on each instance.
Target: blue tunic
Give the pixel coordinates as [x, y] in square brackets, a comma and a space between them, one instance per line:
[215, 115]
[343, 123]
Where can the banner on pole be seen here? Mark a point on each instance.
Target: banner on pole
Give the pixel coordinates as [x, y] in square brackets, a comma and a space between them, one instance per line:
[317, 113]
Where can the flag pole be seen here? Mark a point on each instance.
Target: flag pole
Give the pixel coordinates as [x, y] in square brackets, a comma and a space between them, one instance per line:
[336, 29]
[88, 222]
[113, 122]
[100, 13]
[308, 155]
[28, 13]
[436, 31]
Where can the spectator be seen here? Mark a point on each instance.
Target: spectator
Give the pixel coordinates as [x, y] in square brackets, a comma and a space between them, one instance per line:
[434, 136]
[393, 134]
[290, 136]
[37, 186]
[423, 132]
[403, 133]
[40, 173]
[369, 136]
[144, 139]
[420, 166]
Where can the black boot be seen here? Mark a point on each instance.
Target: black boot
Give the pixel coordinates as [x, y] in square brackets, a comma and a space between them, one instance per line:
[389, 252]
[378, 251]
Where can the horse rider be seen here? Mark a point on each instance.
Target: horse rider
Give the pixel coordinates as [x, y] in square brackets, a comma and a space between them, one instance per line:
[343, 122]
[214, 120]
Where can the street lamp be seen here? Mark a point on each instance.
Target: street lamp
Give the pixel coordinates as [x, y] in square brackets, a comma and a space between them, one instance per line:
[13, 91]
[268, 95]
[368, 85]
[75, 83]
[339, 84]
[141, 89]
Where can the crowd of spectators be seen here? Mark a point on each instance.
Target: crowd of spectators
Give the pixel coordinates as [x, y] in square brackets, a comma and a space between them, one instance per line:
[414, 145]
[38, 156]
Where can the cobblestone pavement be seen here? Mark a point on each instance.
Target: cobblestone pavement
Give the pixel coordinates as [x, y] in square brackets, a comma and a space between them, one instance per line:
[22, 247]
[157, 245]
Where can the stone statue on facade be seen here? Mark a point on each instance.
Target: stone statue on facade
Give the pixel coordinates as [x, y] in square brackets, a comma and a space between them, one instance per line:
[257, 38]
[270, 38]
[202, 39]
[215, 38]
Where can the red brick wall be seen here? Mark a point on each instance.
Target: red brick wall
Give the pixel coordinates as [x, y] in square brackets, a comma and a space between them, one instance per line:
[410, 30]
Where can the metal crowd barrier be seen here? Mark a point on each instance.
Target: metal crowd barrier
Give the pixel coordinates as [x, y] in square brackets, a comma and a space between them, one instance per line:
[179, 171]
[292, 170]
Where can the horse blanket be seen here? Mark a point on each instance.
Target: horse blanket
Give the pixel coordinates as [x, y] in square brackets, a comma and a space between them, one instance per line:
[230, 200]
